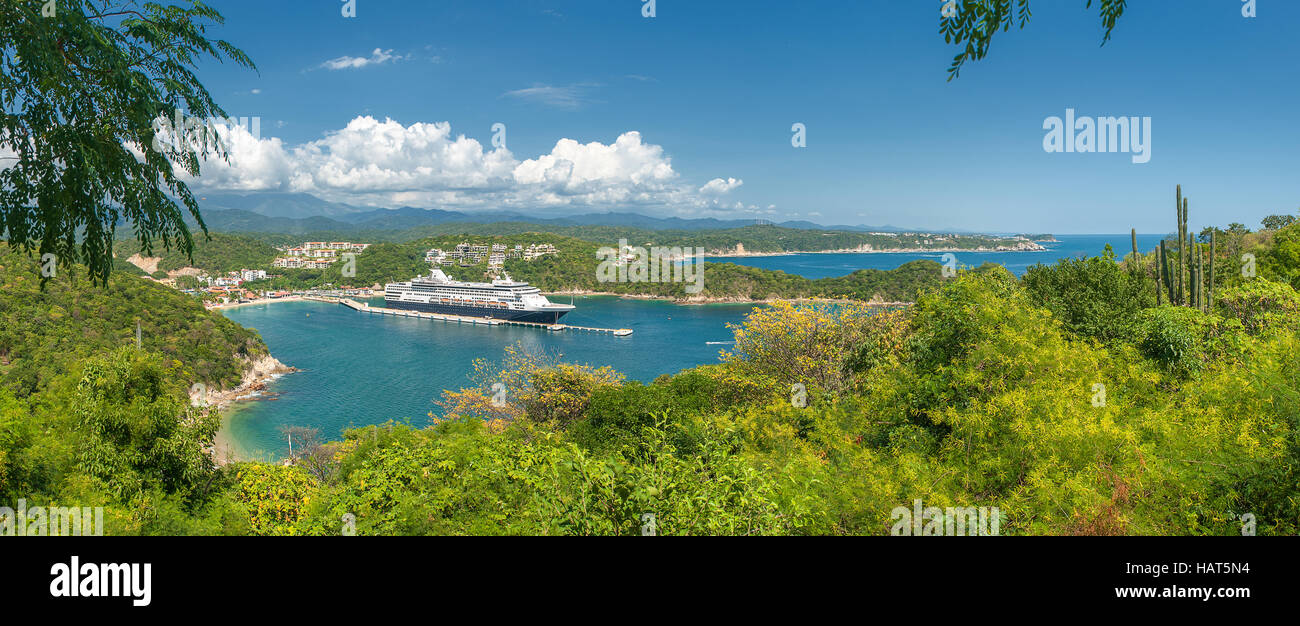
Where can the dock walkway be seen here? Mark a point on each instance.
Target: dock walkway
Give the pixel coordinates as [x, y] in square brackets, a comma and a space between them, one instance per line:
[459, 319]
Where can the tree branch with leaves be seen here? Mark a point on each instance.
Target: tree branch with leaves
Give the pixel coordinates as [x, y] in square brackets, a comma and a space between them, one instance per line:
[975, 22]
[83, 89]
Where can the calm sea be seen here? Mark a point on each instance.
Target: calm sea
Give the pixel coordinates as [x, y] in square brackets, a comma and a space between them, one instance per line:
[361, 369]
[828, 265]
[366, 369]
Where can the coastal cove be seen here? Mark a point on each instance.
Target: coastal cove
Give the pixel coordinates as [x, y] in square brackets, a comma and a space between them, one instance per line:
[358, 370]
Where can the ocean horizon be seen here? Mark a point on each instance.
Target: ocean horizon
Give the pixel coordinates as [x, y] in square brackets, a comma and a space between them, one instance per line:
[816, 265]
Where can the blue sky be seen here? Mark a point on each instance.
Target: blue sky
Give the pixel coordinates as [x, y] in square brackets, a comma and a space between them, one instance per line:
[712, 88]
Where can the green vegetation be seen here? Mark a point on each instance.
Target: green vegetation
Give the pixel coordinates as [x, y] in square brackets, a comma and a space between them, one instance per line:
[86, 417]
[217, 254]
[1068, 399]
[46, 333]
[1094, 297]
[974, 397]
[574, 268]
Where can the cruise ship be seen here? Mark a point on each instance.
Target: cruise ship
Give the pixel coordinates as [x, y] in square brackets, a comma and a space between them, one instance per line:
[503, 299]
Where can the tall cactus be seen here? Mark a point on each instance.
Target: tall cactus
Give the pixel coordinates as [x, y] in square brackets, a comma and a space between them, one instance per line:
[1134, 234]
[1209, 305]
[1160, 274]
[1200, 276]
[1187, 232]
[1181, 207]
[1166, 272]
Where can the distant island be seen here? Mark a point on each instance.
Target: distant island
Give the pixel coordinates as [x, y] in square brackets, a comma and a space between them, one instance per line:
[1042, 238]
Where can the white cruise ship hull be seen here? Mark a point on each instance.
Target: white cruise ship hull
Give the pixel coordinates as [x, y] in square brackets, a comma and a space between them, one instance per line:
[514, 315]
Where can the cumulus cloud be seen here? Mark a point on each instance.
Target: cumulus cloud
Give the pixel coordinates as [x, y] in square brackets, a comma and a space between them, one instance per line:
[378, 57]
[385, 163]
[251, 164]
[719, 186]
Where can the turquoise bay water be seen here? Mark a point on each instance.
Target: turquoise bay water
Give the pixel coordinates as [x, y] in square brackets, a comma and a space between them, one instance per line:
[366, 369]
[1068, 246]
[361, 369]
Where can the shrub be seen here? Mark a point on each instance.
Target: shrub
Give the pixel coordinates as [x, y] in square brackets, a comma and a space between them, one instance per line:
[947, 322]
[814, 345]
[1094, 297]
[1261, 303]
[1173, 336]
[275, 496]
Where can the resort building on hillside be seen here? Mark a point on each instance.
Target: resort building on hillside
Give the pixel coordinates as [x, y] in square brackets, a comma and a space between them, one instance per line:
[472, 254]
[536, 251]
[301, 263]
[316, 254]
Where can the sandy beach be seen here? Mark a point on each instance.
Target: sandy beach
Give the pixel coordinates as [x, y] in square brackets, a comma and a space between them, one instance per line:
[258, 374]
[236, 305]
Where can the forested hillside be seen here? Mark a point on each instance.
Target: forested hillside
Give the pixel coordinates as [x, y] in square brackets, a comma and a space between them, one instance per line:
[88, 418]
[574, 268]
[222, 253]
[46, 333]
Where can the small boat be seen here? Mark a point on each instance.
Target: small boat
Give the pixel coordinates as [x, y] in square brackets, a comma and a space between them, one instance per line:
[622, 332]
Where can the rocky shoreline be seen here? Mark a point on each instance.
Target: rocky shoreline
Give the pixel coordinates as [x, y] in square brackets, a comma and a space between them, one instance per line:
[258, 373]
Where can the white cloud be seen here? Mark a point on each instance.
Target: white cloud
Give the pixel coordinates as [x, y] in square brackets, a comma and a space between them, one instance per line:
[570, 97]
[251, 164]
[384, 163]
[378, 57]
[719, 186]
[8, 158]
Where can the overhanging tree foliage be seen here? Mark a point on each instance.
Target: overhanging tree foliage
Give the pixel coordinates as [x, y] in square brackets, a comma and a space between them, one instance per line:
[975, 22]
[84, 87]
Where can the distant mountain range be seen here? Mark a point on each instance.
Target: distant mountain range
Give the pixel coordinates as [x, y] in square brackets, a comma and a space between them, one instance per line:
[295, 213]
